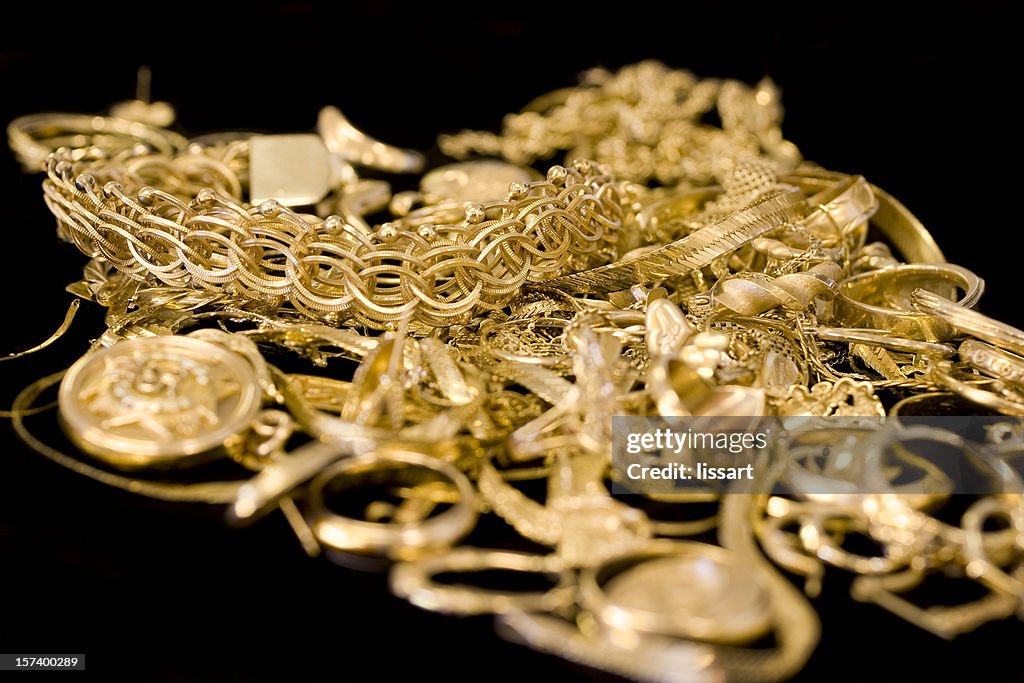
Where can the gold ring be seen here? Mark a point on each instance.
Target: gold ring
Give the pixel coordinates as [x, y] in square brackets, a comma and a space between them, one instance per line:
[400, 540]
[882, 299]
[413, 581]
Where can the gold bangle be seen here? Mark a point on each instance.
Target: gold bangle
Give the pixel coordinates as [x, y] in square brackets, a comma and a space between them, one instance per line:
[882, 299]
[846, 494]
[35, 136]
[893, 219]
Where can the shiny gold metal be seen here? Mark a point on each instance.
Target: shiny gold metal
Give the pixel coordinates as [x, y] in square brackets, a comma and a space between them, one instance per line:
[157, 401]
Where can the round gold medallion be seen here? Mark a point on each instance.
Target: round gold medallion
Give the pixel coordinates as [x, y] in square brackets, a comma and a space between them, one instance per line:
[157, 401]
[473, 181]
[685, 590]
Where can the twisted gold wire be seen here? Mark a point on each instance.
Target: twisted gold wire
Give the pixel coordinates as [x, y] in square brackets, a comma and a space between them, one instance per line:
[795, 292]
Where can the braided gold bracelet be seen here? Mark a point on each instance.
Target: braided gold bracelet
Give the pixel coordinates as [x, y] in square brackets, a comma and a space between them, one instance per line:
[327, 269]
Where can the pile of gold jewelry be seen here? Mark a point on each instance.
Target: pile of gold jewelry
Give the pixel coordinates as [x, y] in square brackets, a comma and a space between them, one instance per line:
[499, 318]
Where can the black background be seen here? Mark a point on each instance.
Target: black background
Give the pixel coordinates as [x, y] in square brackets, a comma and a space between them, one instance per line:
[921, 100]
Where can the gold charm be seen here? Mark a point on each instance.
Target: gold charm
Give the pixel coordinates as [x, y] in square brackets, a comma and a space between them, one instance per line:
[845, 397]
[157, 401]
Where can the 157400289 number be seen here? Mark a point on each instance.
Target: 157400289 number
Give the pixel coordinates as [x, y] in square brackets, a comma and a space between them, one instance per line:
[23, 662]
[47, 662]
